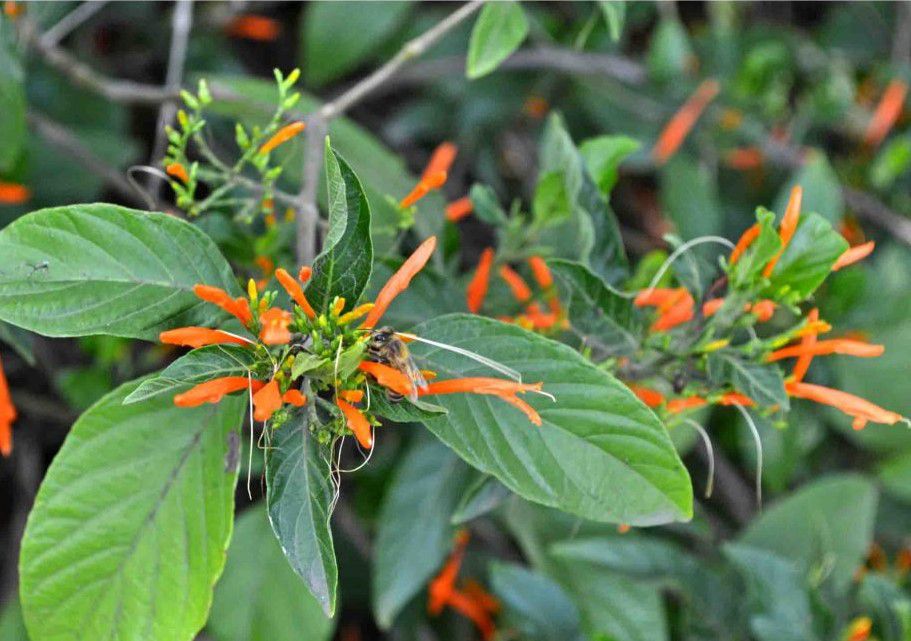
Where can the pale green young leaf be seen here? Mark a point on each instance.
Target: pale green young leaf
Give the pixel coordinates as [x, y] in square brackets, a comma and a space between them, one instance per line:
[130, 526]
[599, 453]
[499, 30]
[103, 269]
[604, 154]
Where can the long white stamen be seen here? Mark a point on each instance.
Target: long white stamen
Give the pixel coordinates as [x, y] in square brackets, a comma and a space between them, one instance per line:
[494, 365]
[677, 253]
[250, 456]
[710, 482]
[755, 432]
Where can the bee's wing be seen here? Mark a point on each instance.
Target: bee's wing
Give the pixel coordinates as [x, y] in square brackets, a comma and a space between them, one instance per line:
[417, 379]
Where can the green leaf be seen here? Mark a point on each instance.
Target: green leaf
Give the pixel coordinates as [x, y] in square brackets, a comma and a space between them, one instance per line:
[343, 266]
[808, 258]
[534, 605]
[763, 382]
[401, 411]
[670, 54]
[415, 533]
[604, 154]
[821, 189]
[499, 30]
[600, 452]
[827, 524]
[130, 526]
[299, 494]
[200, 365]
[689, 195]
[599, 317]
[12, 107]
[752, 262]
[340, 36]
[260, 598]
[777, 595]
[484, 495]
[486, 205]
[590, 234]
[614, 12]
[103, 269]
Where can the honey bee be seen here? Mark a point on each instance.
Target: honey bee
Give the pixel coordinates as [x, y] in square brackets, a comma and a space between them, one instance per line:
[387, 348]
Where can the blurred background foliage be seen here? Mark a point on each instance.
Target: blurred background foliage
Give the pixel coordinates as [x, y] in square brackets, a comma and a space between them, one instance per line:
[799, 85]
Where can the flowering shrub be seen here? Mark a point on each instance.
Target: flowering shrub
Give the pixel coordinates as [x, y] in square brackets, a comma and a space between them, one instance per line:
[498, 412]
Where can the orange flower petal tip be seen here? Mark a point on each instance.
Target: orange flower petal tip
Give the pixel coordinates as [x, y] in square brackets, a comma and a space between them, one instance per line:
[294, 289]
[459, 209]
[200, 337]
[14, 193]
[213, 391]
[517, 285]
[400, 280]
[887, 113]
[357, 423]
[275, 324]
[477, 288]
[282, 136]
[176, 170]
[253, 27]
[541, 272]
[267, 401]
[294, 397]
[854, 255]
[679, 126]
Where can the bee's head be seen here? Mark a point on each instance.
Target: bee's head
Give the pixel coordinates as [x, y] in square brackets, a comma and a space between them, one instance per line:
[382, 336]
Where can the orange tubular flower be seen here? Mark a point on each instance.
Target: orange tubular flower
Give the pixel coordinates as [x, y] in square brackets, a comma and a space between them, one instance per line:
[520, 289]
[887, 113]
[711, 307]
[744, 158]
[538, 318]
[735, 398]
[680, 125]
[658, 296]
[507, 390]
[352, 395]
[763, 310]
[176, 170]
[253, 27]
[853, 255]
[441, 588]
[8, 414]
[678, 405]
[476, 291]
[459, 209]
[679, 313]
[860, 409]
[843, 346]
[541, 272]
[275, 323]
[399, 281]
[859, 629]
[238, 307]
[743, 243]
[787, 228]
[463, 603]
[213, 391]
[650, 397]
[388, 377]
[357, 423]
[13, 193]
[295, 291]
[806, 344]
[434, 175]
[199, 337]
[267, 401]
[294, 397]
[283, 135]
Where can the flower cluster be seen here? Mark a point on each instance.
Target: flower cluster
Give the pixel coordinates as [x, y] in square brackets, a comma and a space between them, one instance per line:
[471, 599]
[327, 350]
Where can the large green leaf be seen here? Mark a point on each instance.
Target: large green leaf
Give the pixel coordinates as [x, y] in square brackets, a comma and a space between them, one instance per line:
[600, 452]
[777, 595]
[130, 526]
[300, 492]
[415, 533]
[203, 364]
[103, 269]
[499, 30]
[260, 598]
[689, 196]
[338, 36]
[343, 267]
[808, 258]
[534, 605]
[600, 318]
[828, 523]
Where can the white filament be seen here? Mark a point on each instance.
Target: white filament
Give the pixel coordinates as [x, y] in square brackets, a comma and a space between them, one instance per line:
[492, 364]
[710, 482]
[755, 433]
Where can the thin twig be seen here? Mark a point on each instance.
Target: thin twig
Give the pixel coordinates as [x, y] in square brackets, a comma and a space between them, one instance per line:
[181, 23]
[870, 208]
[901, 42]
[60, 137]
[318, 122]
[71, 21]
